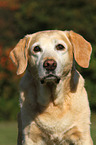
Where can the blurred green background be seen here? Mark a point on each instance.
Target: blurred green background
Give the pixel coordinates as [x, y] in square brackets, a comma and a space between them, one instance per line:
[21, 17]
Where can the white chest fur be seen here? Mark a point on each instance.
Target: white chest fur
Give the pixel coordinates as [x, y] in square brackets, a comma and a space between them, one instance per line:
[55, 121]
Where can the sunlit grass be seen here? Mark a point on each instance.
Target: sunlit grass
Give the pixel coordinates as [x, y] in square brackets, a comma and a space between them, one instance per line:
[8, 133]
[93, 127]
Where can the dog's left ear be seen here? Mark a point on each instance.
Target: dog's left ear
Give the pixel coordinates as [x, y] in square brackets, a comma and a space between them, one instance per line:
[19, 55]
[82, 49]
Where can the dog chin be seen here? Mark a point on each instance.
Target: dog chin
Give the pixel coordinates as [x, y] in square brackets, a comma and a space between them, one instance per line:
[50, 79]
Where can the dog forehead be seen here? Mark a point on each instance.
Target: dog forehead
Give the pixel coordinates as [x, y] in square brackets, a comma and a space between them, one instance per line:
[49, 36]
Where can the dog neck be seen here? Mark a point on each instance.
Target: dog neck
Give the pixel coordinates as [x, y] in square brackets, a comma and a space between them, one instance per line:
[53, 93]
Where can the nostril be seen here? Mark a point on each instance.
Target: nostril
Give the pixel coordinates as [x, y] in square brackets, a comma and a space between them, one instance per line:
[48, 64]
[54, 64]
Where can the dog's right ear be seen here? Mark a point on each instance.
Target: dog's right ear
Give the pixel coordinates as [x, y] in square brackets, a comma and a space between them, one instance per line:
[19, 54]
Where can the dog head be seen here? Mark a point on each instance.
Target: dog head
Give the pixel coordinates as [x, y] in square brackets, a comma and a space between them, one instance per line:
[50, 54]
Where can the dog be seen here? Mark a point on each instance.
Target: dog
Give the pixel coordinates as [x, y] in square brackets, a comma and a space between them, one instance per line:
[53, 101]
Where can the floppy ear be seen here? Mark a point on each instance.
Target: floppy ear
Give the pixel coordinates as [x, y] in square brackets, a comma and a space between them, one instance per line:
[19, 55]
[82, 49]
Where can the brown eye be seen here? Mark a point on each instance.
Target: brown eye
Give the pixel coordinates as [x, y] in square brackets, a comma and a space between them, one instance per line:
[60, 47]
[37, 49]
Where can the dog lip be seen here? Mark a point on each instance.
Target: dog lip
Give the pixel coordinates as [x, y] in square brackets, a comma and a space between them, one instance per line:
[50, 78]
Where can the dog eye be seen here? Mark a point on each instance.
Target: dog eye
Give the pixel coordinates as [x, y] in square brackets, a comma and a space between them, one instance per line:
[37, 49]
[60, 47]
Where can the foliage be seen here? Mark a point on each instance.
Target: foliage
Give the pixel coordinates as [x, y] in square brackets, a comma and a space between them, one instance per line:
[21, 17]
[8, 87]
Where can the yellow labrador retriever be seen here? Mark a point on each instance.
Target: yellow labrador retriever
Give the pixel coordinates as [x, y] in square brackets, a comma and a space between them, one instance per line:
[53, 100]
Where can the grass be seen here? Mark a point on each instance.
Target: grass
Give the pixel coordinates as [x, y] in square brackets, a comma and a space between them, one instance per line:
[8, 132]
[93, 127]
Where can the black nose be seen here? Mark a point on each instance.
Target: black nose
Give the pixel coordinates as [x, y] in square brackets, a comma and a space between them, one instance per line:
[50, 64]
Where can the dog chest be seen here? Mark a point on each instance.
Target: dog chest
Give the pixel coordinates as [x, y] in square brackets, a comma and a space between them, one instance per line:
[55, 119]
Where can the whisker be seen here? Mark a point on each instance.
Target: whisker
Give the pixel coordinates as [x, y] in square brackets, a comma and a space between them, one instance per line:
[66, 69]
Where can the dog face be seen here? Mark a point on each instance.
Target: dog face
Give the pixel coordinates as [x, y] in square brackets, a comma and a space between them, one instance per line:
[50, 54]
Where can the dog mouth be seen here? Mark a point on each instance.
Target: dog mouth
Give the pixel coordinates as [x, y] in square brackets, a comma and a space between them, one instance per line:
[50, 78]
